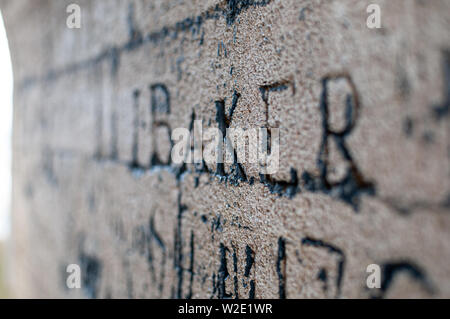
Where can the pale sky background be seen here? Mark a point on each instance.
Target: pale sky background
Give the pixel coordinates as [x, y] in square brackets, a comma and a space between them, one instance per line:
[6, 84]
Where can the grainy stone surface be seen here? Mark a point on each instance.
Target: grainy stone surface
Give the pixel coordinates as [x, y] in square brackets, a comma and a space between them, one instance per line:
[94, 185]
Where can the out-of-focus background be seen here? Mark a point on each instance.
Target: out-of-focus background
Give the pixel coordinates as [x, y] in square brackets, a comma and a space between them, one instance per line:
[5, 152]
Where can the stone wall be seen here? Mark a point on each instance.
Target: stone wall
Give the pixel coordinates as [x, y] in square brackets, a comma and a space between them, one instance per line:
[364, 148]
